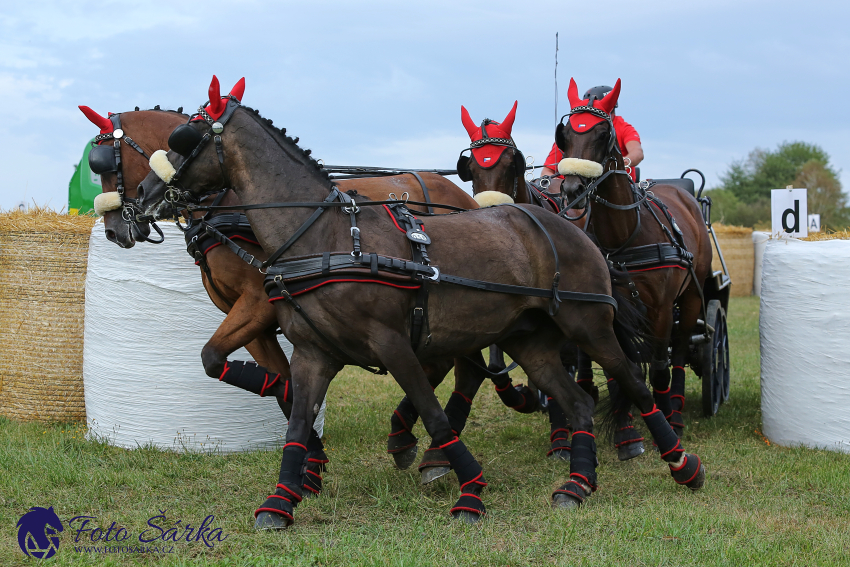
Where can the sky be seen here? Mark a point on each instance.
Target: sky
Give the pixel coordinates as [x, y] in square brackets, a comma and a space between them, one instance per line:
[381, 83]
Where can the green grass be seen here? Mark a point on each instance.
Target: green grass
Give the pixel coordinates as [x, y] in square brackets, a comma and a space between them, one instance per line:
[762, 504]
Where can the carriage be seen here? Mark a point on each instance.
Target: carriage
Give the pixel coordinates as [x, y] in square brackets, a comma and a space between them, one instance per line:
[709, 353]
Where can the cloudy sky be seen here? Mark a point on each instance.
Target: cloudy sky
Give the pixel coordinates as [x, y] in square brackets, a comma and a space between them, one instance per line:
[381, 83]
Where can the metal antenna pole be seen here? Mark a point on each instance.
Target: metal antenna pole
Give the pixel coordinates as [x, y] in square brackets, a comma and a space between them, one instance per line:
[556, 77]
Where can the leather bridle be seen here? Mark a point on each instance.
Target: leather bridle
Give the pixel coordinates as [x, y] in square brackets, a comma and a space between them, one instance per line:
[463, 160]
[103, 159]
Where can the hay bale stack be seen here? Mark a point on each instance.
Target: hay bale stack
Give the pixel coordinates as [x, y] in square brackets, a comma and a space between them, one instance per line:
[736, 243]
[43, 258]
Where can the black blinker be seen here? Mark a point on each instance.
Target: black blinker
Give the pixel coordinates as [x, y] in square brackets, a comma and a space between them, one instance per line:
[519, 163]
[184, 139]
[463, 170]
[102, 159]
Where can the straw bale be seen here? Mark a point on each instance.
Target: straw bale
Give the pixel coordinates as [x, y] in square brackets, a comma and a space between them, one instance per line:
[839, 235]
[736, 243]
[43, 258]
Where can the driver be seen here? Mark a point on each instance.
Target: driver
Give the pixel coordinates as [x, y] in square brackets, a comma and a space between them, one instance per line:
[627, 138]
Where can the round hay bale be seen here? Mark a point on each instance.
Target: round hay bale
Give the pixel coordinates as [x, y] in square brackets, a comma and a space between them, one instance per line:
[147, 318]
[43, 258]
[736, 243]
[805, 334]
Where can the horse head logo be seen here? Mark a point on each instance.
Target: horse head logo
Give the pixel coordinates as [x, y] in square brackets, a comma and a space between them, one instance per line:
[38, 532]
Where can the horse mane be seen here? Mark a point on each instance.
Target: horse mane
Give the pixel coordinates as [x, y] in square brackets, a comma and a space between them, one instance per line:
[292, 143]
[178, 111]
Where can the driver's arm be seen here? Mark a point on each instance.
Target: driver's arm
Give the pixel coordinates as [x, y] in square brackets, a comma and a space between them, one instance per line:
[634, 152]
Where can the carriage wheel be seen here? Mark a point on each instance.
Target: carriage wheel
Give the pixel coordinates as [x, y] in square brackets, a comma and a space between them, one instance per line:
[715, 361]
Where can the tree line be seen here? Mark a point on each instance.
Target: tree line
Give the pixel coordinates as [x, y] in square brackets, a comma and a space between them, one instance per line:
[743, 197]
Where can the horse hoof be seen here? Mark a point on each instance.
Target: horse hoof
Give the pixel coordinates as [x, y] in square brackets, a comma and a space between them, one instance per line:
[565, 502]
[430, 474]
[271, 521]
[406, 457]
[629, 451]
[699, 480]
[563, 456]
[466, 517]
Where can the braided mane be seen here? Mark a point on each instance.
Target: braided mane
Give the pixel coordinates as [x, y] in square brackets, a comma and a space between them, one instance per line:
[280, 134]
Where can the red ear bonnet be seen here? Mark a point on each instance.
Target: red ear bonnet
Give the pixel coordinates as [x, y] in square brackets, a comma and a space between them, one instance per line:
[488, 154]
[238, 89]
[105, 124]
[218, 103]
[584, 121]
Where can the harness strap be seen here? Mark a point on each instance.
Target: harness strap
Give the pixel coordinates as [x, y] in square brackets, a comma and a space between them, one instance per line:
[554, 304]
[424, 191]
[334, 194]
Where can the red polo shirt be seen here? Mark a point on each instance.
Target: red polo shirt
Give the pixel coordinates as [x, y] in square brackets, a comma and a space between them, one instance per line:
[625, 133]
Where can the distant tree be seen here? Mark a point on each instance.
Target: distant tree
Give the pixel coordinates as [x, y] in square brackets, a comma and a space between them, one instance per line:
[824, 195]
[743, 198]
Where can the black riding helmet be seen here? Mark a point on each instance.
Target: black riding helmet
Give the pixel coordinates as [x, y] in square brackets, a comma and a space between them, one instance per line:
[598, 93]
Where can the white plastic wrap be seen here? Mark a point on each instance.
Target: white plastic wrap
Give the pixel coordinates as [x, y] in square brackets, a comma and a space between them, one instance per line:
[805, 343]
[147, 319]
[759, 241]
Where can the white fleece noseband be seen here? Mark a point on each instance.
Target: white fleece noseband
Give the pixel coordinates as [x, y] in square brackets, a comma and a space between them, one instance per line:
[576, 166]
[106, 202]
[161, 166]
[492, 198]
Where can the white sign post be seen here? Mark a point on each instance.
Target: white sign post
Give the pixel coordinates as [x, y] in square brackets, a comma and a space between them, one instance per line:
[814, 223]
[788, 212]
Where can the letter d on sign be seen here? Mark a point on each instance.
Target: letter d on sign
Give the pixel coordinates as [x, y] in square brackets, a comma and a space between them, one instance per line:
[787, 208]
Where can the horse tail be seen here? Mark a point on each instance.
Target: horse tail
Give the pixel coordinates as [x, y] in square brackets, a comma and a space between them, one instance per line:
[631, 327]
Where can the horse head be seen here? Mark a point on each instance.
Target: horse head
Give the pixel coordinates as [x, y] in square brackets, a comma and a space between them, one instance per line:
[137, 135]
[37, 532]
[496, 167]
[588, 142]
[196, 143]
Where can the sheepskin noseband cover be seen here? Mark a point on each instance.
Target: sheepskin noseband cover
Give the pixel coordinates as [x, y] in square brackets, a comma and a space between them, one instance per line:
[576, 166]
[492, 198]
[106, 202]
[161, 166]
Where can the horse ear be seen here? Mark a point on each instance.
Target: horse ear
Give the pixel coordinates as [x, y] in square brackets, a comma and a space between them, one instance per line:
[216, 104]
[508, 122]
[463, 170]
[572, 94]
[608, 103]
[238, 89]
[105, 124]
[467, 121]
[559, 136]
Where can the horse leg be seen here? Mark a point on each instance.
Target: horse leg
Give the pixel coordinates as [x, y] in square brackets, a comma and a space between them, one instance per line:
[312, 373]
[686, 468]
[689, 310]
[401, 442]
[539, 355]
[243, 324]
[401, 362]
[468, 380]
[521, 398]
[659, 367]
[627, 439]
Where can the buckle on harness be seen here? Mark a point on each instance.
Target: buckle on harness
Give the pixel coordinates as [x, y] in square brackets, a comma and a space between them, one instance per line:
[436, 276]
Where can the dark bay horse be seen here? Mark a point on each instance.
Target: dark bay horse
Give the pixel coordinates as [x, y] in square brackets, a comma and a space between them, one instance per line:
[367, 321]
[653, 231]
[497, 169]
[236, 288]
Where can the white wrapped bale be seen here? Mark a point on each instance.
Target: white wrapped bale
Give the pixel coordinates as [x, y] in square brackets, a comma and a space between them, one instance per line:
[805, 343]
[147, 317]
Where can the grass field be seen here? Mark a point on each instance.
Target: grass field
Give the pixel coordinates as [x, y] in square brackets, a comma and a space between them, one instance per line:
[761, 505]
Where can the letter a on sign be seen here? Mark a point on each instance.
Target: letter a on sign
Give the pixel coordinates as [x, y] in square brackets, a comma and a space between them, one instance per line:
[788, 212]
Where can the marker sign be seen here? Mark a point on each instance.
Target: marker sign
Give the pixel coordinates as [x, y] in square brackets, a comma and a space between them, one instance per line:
[788, 212]
[814, 223]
